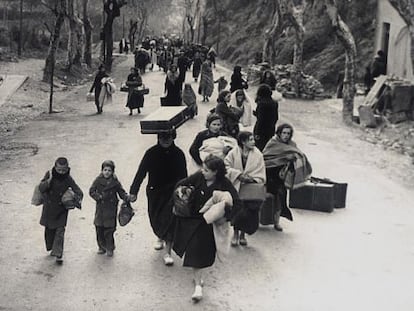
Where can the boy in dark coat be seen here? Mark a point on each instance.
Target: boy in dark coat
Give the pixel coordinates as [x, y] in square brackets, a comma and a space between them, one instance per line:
[54, 213]
[105, 190]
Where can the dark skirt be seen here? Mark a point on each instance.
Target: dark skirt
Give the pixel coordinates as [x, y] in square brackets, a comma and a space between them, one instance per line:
[194, 239]
[135, 100]
[160, 213]
[276, 186]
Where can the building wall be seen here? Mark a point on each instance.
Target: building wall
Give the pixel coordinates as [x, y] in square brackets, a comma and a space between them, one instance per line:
[399, 55]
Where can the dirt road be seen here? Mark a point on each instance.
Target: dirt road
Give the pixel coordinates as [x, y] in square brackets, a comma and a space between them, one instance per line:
[358, 258]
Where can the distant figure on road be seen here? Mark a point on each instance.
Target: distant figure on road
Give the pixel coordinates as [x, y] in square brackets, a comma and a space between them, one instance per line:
[197, 62]
[105, 191]
[237, 82]
[97, 86]
[206, 86]
[56, 184]
[165, 165]
[269, 78]
[221, 83]
[266, 116]
[135, 99]
[173, 87]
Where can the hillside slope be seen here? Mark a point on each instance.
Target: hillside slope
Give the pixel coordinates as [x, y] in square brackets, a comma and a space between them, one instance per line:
[244, 24]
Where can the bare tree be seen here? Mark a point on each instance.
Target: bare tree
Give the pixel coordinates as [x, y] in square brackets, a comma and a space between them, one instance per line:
[344, 35]
[75, 41]
[58, 7]
[220, 12]
[133, 27]
[112, 10]
[87, 26]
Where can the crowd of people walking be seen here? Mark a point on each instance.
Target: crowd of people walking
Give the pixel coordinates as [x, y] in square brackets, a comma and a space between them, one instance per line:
[190, 214]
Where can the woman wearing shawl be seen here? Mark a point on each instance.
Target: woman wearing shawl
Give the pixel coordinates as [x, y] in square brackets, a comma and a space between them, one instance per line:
[229, 115]
[244, 165]
[269, 78]
[173, 87]
[283, 159]
[135, 99]
[97, 86]
[237, 81]
[241, 100]
[206, 81]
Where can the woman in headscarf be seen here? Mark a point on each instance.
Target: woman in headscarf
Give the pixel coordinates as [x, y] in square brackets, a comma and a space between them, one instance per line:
[206, 81]
[269, 78]
[229, 115]
[197, 62]
[237, 82]
[266, 116]
[135, 99]
[242, 101]
[173, 87]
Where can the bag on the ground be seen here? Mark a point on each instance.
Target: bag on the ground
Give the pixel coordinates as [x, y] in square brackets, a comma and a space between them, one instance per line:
[125, 213]
[182, 198]
[37, 198]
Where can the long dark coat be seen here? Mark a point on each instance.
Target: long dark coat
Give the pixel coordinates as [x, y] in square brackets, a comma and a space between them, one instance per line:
[266, 117]
[165, 167]
[276, 186]
[193, 236]
[135, 100]
[173, 89]
[197, 66]
[105, 192]
[54, 214]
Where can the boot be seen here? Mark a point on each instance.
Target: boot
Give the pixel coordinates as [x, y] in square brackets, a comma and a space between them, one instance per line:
[276, 219]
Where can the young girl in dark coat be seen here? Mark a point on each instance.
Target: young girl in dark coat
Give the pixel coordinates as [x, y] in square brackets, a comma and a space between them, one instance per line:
[54, 213]
[194, 238]
[105, 191]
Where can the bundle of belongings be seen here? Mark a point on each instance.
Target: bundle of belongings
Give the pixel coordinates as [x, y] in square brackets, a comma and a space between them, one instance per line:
[218, 146]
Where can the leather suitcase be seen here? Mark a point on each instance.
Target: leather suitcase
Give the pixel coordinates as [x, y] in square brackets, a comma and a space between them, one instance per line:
[340, 190]
[164, 119]
[314, 197]
[266, 214]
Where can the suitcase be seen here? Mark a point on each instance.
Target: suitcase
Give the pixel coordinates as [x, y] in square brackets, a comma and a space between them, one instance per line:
[164, 119]
[340, 190]
[266, 214]
[314, 197]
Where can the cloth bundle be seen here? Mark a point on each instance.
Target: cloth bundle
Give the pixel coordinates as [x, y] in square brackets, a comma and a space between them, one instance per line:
[218, 146]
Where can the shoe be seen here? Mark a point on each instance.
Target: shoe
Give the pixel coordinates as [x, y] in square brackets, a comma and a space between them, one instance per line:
[130, 113]
[277, 227]
[59, 259]
[168, 260]
[198, 294]
[159, 245]
[243, 241]
[101, 251]
[234, 242]
[109, 253]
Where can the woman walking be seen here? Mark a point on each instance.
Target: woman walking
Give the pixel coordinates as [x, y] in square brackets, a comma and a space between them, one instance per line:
[244, 165]
[97, 86]
[281, 157]
[206, 81]
[194, 238]
[165, 165]
[135, 99]
[266, 116]
[197, 62]
[173, 87]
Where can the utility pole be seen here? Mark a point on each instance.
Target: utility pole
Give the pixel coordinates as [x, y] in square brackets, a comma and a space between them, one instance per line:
[19, 50]
[102, 34]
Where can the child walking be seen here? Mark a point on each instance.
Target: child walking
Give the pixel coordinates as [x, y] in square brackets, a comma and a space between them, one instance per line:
[105, 191]
[56, 184]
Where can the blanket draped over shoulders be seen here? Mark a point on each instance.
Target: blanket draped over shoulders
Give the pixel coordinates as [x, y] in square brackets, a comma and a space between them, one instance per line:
[278, 154]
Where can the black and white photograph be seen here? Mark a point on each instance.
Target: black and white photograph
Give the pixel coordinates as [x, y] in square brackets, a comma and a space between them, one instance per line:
[217, 155]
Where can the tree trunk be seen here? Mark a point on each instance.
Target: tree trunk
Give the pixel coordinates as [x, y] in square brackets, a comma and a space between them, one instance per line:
[131, 34]
[345, 36]
[296, 20]
[54, 40]
[75, 41]
[270, 34]
[87, 26]
[205, 30]
[112, 10]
